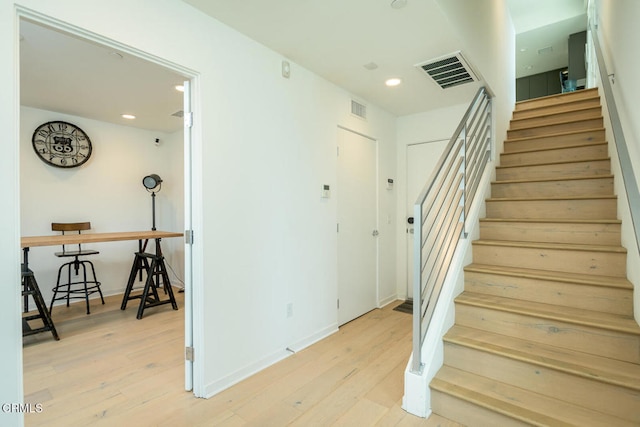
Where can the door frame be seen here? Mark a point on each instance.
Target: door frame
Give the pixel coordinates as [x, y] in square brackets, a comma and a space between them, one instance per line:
[377, 213]
[193, 209]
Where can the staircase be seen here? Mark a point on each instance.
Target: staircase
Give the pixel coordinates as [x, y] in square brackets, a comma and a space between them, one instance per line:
[544, 332]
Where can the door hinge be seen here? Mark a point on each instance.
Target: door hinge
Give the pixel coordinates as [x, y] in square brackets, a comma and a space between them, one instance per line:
[338, 228]
[189, 353]
[338, 303]
[188, 237]
[188, 119]
[338, 151]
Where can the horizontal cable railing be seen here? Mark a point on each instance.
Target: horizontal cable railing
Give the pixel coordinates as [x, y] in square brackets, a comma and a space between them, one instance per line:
[441, 210]
[628, 176]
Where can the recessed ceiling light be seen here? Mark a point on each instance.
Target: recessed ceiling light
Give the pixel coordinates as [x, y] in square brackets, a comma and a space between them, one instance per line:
[179, 88]
[394, 81]
[370, 66]
[128, 116]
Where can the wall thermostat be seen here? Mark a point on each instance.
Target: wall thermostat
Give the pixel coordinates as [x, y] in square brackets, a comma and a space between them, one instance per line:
[326, 191]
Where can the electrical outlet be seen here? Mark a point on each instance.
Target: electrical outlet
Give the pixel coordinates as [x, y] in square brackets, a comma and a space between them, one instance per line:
[290, 309]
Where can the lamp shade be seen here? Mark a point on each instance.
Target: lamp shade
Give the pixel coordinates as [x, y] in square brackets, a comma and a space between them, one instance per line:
[150, 182]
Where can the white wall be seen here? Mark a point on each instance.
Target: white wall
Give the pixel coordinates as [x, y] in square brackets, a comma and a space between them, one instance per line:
[264, 147]
[618, 33]
[488, 38]
[10, 323]
[107, 190]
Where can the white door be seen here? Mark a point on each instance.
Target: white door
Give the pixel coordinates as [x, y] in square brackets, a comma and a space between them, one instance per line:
[357, 223]
[421, 160]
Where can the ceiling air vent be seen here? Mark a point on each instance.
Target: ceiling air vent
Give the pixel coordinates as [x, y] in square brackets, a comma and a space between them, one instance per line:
[358, 109]
[449, 70]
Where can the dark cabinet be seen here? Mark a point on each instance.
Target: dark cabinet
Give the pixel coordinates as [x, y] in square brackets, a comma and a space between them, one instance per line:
[538, 85]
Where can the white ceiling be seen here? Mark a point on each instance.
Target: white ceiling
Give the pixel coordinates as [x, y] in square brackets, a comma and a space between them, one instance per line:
[333, 38]
[62, 73]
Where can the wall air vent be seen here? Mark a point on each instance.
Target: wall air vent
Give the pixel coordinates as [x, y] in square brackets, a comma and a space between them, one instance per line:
[449, 70]
[358, 109]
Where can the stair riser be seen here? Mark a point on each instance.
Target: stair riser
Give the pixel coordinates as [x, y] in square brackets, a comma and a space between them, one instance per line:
[587, 297]
[563, 99]
[562, 188]
[600, 342]
[556, 128]
[466, 413]
[558, 209]
[559, 117]
[603, 397]
[564, 170]
[552, 232]
[567, 154]
[569, 261]
[553, 109]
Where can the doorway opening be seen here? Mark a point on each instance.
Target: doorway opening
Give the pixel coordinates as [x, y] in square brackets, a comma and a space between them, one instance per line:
[108, 187]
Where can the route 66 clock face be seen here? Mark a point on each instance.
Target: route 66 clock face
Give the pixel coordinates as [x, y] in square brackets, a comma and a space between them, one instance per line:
[61, 144]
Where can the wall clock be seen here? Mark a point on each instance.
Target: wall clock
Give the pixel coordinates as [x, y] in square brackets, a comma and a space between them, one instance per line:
[61, 144]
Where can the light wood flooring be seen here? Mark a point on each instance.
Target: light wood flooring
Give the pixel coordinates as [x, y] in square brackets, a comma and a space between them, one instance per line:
[113, 370]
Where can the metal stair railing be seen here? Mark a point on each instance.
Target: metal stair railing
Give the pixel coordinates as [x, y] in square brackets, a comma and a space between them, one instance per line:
[441, 210]
[628, 176]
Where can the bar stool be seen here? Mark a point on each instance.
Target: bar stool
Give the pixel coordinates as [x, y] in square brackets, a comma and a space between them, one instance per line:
[82, 287]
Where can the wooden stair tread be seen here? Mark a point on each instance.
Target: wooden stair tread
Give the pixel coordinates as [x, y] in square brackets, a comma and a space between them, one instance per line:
[551, 220]
[569, 105]
[546, 245]
[598, 368]
[560, 178]
[552, 135]
[577, 316]
[559, 162]
[568, 110]
[563, 147]
[586, 93]
[517, 403]
[518, 199]
[556, 276]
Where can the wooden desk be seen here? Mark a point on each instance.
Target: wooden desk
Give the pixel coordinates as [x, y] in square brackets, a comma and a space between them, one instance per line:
[69, 239]
[27, 242]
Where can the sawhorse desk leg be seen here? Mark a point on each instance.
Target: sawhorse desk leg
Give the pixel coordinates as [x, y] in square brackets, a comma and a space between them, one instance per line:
[30, 288]
[156, 270]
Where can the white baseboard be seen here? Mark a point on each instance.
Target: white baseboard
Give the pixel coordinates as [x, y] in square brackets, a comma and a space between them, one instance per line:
[388, 300]
[227, 381]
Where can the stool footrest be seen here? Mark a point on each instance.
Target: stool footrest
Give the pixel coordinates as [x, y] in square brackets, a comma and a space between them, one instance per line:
[76, 289]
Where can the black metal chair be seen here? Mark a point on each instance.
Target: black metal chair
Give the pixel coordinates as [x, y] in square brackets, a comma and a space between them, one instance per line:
[80, 287]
